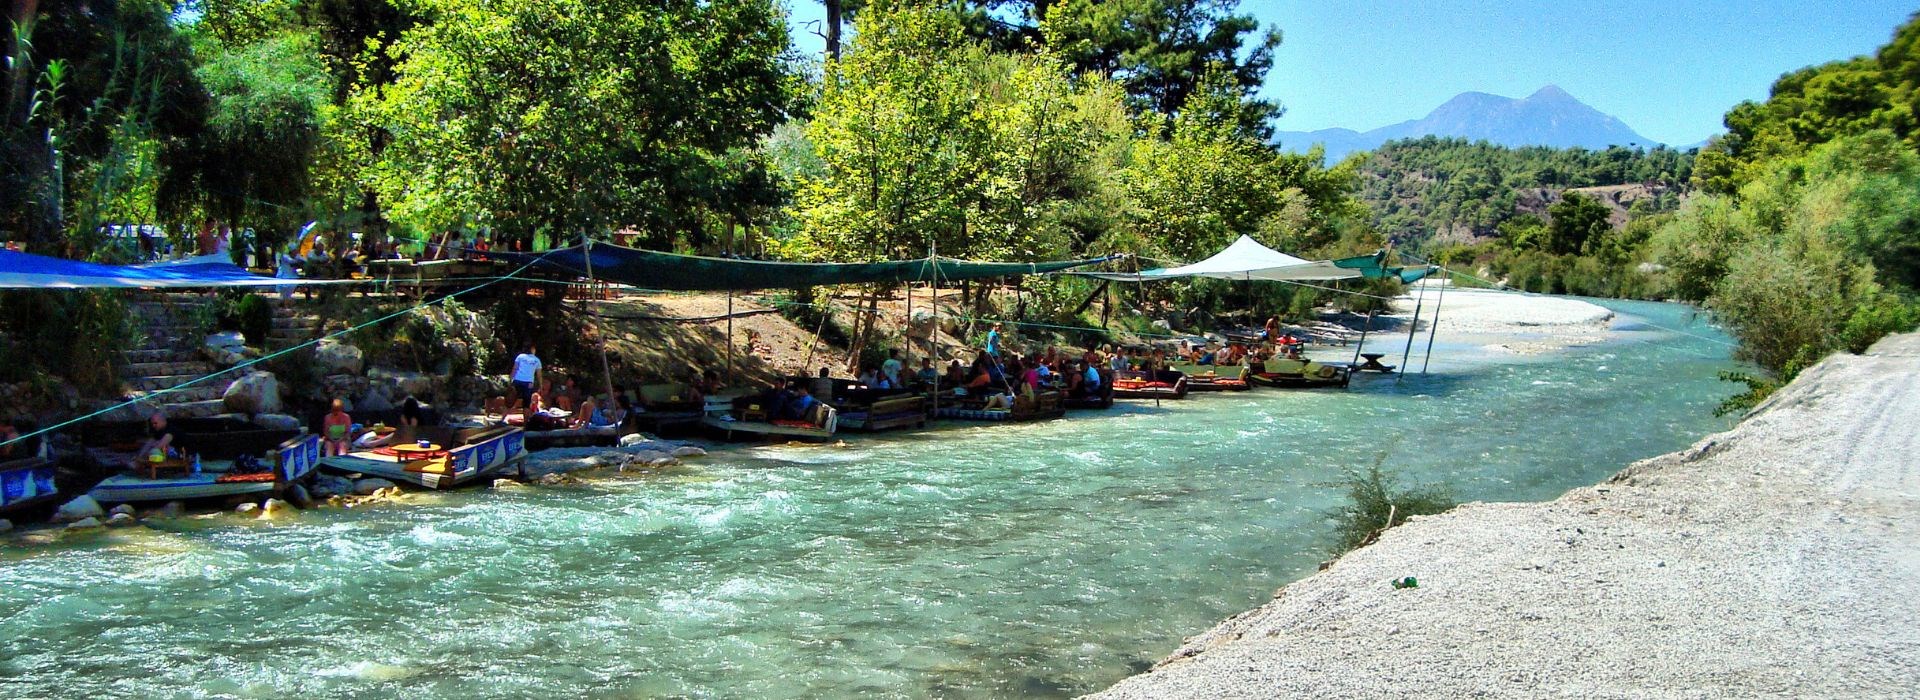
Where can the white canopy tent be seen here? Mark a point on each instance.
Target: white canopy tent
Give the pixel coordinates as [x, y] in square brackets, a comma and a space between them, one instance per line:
[1247, 259]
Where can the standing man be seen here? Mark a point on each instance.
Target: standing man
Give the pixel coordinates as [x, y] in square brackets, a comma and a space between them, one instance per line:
[892, 368]
[993, 340]
[526, 370]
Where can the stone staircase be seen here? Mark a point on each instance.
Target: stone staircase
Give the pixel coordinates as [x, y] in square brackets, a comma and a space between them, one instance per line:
[171, 356]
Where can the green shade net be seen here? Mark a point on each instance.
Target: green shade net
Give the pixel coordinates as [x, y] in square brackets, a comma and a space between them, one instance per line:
[655, 270]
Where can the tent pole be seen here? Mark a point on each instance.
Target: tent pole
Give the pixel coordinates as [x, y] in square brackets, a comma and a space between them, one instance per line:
[933, 335]
[606, 367]
[907, 330]
[729, 336]
[1411, 326]
[1433, 327]
[1363, 335]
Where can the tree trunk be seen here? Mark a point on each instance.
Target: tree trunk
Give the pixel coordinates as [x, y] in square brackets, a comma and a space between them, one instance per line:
[833, 29]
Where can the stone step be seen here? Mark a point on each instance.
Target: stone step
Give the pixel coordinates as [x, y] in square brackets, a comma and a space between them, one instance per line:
[204, 391]
[155, 383]
[305, 322]
[152, 355]
[166, 369]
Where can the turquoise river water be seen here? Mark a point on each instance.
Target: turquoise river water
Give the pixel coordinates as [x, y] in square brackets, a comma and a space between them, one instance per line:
[1043, 560]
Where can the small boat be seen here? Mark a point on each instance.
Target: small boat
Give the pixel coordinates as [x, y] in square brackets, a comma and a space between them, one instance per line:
[874, 410]
[1101, 398]
[1160, 384]
[28, 481]
[666, 407]
[1302, 373]
[735, 416]
[476, 453]
[1044, 405]
[226, 436]
[1213, 377]
[293, 461]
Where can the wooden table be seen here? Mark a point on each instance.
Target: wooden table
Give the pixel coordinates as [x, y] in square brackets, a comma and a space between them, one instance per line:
[1372, 363]
[153, 468]
[410, 452]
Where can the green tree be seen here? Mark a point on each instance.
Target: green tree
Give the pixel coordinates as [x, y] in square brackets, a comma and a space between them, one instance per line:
[1575, 222]
[574, 116]
[1164, 50]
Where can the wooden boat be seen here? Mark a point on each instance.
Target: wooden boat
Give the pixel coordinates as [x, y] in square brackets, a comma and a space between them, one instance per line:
[1213, 377]
[1044, 405]
[874, 410]
[28, 481]
[1288, 373]
[1161, 384]
[665, 407]
[1100, 399]
[590, 436]
[476, 453]
[293, 461]
[736, 416]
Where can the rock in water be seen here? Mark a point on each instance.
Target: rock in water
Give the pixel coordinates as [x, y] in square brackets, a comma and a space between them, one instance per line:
[555, 479]
[298, 495]
[661, 462]
[247, 508]
[275, 508]
[632, 440]
[609, 459]
[122, 520]
[173, 509]
[122, 508]
[257, 392]
[504, 483]
[79, 509]
[689, 451]
[276, 421]
[5, 525]
[84, 523]
[326, 485]
[366, 487]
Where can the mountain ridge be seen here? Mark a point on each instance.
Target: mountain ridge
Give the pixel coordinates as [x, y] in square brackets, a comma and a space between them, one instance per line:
[1548, 117]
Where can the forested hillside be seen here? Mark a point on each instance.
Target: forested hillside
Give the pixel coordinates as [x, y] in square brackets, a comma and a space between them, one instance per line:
[1456, 190]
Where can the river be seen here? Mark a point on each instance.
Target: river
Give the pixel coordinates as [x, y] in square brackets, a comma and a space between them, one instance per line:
[1042, 560]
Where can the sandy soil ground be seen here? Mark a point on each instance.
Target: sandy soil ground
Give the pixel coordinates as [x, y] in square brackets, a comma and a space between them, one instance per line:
[1508, 322]
[1778, 558]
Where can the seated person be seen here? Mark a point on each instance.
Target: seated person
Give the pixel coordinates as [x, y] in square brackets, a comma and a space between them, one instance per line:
[11, 431]
[823, 386]
[582, 417]
[956, 374]
[927, 376]
[159, 441]
[336, 430]
[799, 404]
[566, 396]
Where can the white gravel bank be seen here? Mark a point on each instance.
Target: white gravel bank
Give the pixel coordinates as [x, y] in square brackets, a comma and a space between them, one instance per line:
[1508, 322]
[1780, 558]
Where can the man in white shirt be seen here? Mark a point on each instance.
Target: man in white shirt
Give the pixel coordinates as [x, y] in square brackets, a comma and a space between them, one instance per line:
[526, 370]
[891, 368]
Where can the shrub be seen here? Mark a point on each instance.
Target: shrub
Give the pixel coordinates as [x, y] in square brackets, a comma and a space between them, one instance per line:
[1880, 316]
[1376, 503]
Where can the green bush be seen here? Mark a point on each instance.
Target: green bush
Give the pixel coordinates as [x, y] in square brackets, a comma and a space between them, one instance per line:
[252, 316]
[1375, 503]
[1877, 318]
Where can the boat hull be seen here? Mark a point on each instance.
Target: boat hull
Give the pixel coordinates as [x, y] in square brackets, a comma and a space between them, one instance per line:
[294, 461]
[1160, 385]
[25, 483]
[483, 457]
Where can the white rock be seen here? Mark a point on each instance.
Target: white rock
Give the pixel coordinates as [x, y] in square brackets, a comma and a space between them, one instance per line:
[84, 523]
[336, 357]
[689, 451]
[247, 508]
[505, 483]
[226, 341]
[367, 487]
[275, 508]
[661, 462]
[648, 456]
[634, 440]
[122, 520]
[257, 392]
[79, 509]
[122, 508]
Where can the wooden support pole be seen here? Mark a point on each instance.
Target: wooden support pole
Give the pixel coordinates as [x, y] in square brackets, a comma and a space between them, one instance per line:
[1407, 355]
[1433, 327]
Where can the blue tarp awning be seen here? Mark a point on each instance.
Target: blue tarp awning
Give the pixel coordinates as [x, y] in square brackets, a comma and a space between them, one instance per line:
[28, 271]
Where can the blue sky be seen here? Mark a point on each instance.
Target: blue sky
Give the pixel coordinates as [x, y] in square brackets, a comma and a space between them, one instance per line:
[1668, 69]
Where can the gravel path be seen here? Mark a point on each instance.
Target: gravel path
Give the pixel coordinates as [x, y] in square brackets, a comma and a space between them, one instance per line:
[1779, 558]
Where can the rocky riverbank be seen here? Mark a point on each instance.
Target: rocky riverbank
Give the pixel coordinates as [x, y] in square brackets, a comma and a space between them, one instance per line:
[1778, 558]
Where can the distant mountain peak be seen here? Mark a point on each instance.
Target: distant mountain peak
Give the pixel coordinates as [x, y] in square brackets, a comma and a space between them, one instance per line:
[1548, 117]
[1550, 92]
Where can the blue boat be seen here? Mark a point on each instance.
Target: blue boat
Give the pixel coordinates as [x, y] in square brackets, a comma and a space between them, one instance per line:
[28, 481]
[293, 461]
[478, 453]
